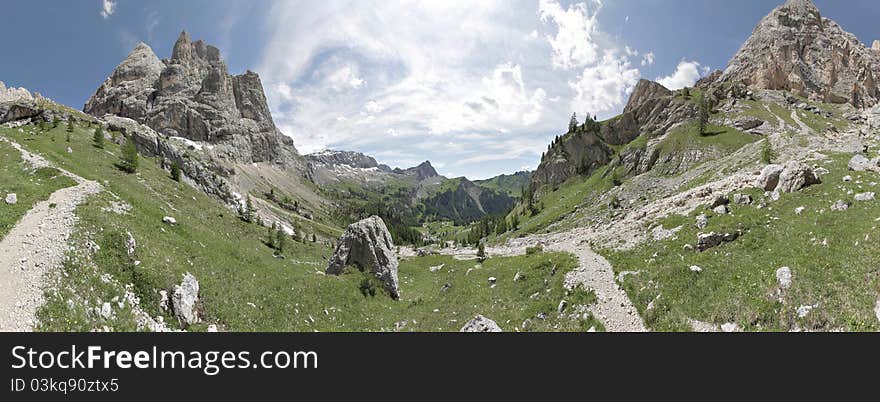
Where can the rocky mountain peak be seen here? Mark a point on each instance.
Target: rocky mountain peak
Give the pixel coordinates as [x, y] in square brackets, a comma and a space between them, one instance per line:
[795, 49]
[644, 92]
[423, 171]
[193, 96]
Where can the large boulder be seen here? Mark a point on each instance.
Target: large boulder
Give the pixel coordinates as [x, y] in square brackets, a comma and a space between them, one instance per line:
[769, 178]
[368, 246]
[481, 324]
[795, 176]
[184, 300]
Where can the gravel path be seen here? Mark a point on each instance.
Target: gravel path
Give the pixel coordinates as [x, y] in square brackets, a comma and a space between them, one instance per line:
[614, 308]
[36, 246]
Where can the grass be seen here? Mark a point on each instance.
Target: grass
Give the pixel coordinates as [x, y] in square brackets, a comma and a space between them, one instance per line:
[832, 255]
[30, 186]
[561, 202]
[722, 138]
[245, 288]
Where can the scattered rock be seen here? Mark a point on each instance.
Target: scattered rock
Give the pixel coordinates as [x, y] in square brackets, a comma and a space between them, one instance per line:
[721, 210]
[169, 220]
[720, 200]
[518, 277]
[799, 210]
[706, 241]
[747, 123]
[860, 163]
[493, 280]
[695, 268]
[11, 198]
[804, 311]
[130, 245]
[783, 277]
[702, 222]
[445, 288]
[368, 245]
[212, 328]
[562, 305]
[730, 327]
[69, 150]
[847, 179]
[840, 205]
[742, 199]
[481, 324]
[865, 197]
[184, 300]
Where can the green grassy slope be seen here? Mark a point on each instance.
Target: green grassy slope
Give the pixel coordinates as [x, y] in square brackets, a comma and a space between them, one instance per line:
[833, 256]
[30, 186]
[245, 288]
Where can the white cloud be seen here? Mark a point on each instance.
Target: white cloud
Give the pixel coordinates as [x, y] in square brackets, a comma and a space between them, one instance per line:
[686, 74]
[478, 86]
[648, 59]
[108, 7]
[574, 44]
[603, 87]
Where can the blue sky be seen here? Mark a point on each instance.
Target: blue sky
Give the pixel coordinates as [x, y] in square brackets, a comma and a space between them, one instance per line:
[477, 87]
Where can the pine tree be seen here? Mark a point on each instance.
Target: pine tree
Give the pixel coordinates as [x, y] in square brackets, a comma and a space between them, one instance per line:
[280, 240]
[98, 138]
[573, 124]
[69, 127]
[514, 222]
[247, 211]
[175, 172]
[129, 163]
[270, 238]
[704, 114]
[55, 122]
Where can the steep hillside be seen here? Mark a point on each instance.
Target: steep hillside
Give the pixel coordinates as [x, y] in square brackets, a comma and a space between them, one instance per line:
[512, 184]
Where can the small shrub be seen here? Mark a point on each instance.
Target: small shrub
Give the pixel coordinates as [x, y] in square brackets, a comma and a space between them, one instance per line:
[129, 161]
[534, 250]
[175, 172]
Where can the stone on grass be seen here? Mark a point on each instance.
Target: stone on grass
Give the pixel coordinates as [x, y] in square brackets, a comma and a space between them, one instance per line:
[706, 241]
[783, 277]
[742, 199]
[184, 300]
[865, 197]
[169, 220]
[702, 222]
[11, 198]
[840, 205]
[480, 324]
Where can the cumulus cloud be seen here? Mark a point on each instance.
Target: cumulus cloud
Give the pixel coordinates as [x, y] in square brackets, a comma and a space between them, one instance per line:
[574, 43]
[603, 87]
[686, 74]
[479, 87]
[108, 7]
[648, 59]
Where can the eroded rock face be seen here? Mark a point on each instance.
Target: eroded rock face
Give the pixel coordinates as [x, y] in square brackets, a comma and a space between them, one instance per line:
[368, 246]
[481, 324]
[795, 49]
[193, 96]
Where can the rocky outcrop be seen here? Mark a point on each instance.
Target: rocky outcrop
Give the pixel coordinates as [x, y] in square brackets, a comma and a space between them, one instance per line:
[706, 241]
[184, 300]
[481, 324]
[355, 160]
[368, 246]
[193, 96]
[795, 49]
[207, 175]
[796, 176]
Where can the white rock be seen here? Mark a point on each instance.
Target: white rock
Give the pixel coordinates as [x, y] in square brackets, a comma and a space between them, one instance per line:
[368, 244]
[799, 210]
[492, 280]
[106, 311]
[562, 305]
[721, 210]
[169, 220]
[695, 268]
[481, 324]
[702, 222]
[11, 198]
[783, 277]
[865, 197]
[184, 300]
[212, 328]
[840, 205]
[803, 311]
[730, 327]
